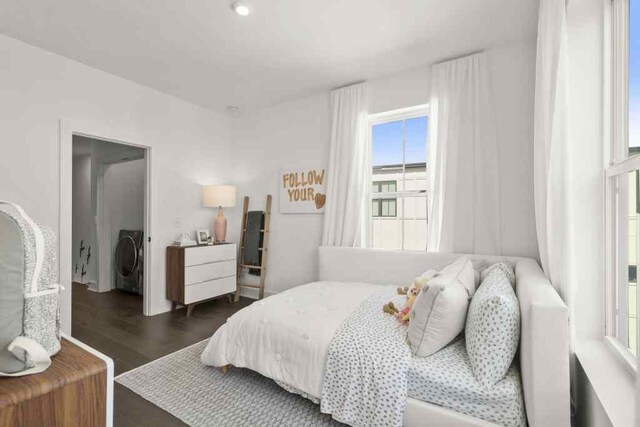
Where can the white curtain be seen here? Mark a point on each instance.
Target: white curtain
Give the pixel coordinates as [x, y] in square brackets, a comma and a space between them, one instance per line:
[552, 159]
[464, 204]
[349, 170]
[550, 145]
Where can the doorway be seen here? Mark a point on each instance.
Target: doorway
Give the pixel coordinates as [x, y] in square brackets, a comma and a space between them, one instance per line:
[108, 226]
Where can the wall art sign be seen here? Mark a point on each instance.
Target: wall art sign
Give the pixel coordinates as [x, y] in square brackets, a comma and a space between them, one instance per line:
[302, 190]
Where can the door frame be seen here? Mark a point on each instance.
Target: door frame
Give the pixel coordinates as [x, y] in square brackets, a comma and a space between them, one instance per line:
[101, 132]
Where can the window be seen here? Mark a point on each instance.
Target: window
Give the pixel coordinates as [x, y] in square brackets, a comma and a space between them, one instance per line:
[399, 179]
[623, 178]
[384, 207]
[385, 186]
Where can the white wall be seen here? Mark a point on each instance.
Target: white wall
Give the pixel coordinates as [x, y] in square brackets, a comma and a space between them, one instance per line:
[190, 145]
[123, 208]
[298, 133]
[287, 135]
[83, 221]
[513, 80]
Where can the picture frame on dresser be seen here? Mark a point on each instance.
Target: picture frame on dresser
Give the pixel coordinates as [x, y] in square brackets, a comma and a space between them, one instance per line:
[196, 274]
[202, 236]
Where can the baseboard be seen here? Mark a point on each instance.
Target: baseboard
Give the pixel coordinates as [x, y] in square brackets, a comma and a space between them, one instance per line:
[93, 286]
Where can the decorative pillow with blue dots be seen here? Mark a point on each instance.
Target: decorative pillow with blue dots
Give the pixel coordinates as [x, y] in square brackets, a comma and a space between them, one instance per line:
[493, 325]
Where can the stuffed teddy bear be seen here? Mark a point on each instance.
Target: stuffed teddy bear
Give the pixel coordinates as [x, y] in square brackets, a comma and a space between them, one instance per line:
[412, 294]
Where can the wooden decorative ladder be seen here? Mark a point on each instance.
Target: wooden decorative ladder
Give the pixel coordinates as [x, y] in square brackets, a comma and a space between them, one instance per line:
[263, 249]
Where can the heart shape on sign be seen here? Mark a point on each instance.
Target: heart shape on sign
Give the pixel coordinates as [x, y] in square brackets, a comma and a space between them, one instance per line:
[320, 200]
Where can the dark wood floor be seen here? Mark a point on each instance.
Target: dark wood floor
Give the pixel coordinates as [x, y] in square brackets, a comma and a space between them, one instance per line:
[113, 323]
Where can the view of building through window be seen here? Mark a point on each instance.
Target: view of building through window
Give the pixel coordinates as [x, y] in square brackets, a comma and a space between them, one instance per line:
[399, 188]
[632, 256]
[634, 149]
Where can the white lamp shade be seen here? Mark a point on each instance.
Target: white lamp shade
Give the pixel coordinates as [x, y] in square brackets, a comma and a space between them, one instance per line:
[214, 196]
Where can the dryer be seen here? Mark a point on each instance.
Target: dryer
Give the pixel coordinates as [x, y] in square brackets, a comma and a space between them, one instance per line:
[129, 261]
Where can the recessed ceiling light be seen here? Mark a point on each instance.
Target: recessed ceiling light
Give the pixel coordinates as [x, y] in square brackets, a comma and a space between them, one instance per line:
[241, 9]
[232, 109]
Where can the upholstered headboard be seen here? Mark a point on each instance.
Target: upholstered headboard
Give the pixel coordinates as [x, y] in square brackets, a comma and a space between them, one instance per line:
[544, 338]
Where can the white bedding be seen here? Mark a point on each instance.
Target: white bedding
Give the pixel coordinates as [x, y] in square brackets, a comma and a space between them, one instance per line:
[291, 341]
[446, 379]
[287, 337]
[365, 382]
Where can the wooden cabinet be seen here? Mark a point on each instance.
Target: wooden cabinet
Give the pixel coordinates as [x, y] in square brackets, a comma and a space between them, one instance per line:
[76, 390]
[199, 273]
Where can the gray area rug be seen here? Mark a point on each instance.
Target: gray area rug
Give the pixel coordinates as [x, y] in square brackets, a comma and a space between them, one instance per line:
[201, 395]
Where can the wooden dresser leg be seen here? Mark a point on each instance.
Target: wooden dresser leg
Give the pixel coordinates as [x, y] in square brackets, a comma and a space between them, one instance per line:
[237, 297]
[173, 306]
[190, 309]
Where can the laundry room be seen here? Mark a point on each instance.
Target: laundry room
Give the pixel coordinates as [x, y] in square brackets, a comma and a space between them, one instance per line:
[108, 223]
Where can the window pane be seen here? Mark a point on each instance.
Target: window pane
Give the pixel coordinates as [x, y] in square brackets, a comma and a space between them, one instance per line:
[375, 209]
[415, 207]
[627, 258]
[632, 281]
[386, 233]
[387, 144]
[415, 223]
[392, 207]
[415, 177]
[634, 77]
[385, 208]
[399, 164]
[416, 140]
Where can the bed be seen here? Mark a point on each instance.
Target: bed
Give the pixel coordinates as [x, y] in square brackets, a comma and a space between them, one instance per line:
[286, 337]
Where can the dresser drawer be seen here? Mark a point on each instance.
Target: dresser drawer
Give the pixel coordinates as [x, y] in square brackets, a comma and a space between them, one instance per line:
[205, 255]
[210, 289]
[204, 272]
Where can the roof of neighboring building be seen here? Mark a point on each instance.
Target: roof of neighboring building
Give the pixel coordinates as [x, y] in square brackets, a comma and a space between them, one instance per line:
[380, 168]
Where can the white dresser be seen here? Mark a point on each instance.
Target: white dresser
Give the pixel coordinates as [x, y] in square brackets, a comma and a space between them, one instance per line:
[200, 273]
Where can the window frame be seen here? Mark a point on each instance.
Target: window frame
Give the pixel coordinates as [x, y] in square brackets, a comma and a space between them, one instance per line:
[393, 116]
[617, 167]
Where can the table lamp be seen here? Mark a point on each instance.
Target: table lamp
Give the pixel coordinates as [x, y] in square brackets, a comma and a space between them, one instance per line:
[219, 196]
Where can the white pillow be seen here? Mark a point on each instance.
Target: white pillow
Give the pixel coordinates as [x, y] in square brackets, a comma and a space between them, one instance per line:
[439, 312]
[493, 326]
[505, 267]
[479, 265]
[429, 274]
[425, 277]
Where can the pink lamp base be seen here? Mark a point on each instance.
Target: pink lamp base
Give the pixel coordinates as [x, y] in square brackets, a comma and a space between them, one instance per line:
[220, 227]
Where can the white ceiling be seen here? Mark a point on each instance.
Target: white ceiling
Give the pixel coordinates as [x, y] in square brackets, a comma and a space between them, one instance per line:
[201, 51]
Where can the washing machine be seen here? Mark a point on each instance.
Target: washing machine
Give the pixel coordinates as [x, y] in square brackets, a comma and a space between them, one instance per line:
[129, 261]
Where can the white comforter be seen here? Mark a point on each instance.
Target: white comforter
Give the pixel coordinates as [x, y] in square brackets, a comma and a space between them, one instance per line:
[286, 337]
